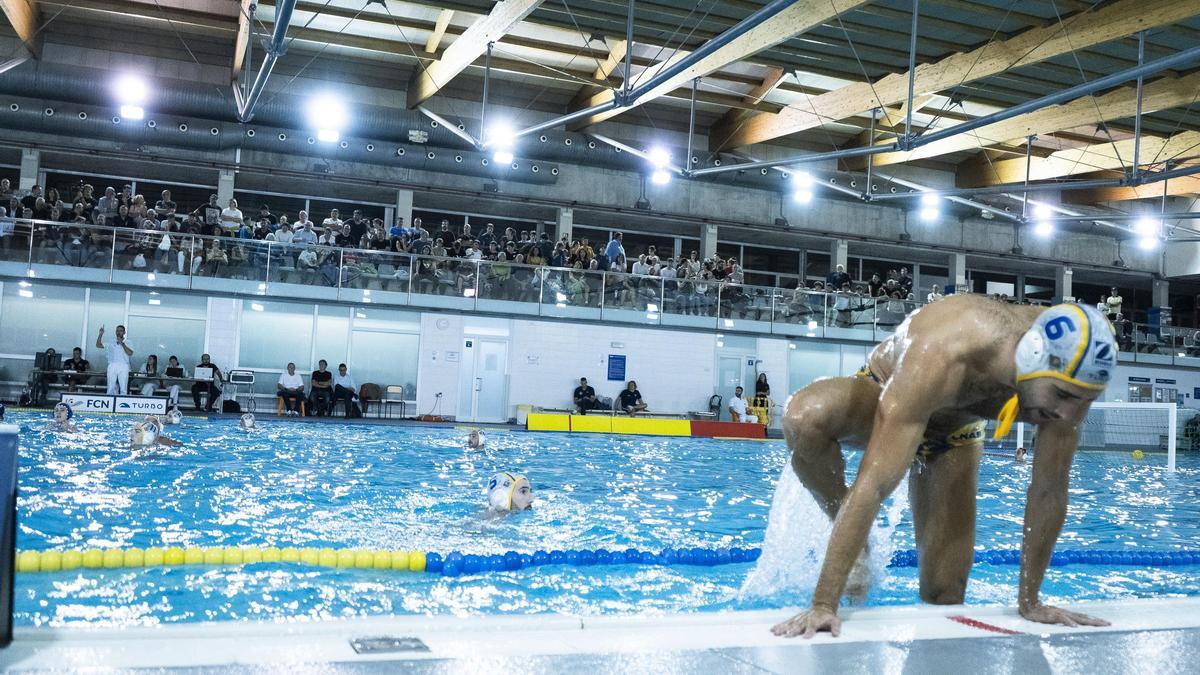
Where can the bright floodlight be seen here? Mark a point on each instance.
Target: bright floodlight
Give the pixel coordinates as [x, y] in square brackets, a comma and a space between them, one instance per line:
[501, 137]
[929, 200]
[1148, 243]
[327, 114]
[659, 157]
[131, 89]
[1042, 212]
[802, 182]
[930, 207]
[1043, 228]
[1146, 227]
[803, 196]
[660, 177]
[132, 112]
[929, 214]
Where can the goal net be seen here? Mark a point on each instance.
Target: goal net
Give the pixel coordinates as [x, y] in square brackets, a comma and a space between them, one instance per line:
[1153, 428]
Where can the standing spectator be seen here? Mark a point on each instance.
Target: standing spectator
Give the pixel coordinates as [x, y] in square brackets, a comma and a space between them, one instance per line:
[358, 226]
[118, 354]
[209, 387]
[334, 219]
[320, 394]
[344, 388]
[631, 399]
[210, 213]
[585, 397]
[489, 235]
[108, 204]
[874, 285]
[935, 294]
[79, 365]
[762, 390]
[302, 221]
[614, 250]
[398, 230]
[29, 201]
[836, 278]
[231, 218]
[290, 388]
[1113, 303]
[264, 213]
[905, 279]
[164, 207]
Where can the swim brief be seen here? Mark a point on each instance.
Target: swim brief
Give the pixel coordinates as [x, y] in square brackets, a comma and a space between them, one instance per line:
[964, 436]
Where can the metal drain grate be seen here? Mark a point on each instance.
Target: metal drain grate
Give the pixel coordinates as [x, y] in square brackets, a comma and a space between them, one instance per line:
[386, 644]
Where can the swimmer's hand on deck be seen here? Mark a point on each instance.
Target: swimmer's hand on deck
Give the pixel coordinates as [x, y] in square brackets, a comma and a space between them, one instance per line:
[1049, 614]
[808, 624]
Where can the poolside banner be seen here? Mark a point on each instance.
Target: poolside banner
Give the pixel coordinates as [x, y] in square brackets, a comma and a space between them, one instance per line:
[616, 367]
[8, 527]
[130, 405]
[89, 402]
[142, 405]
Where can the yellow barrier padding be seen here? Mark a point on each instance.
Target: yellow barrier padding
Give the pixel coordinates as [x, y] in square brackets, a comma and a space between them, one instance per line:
[598, 424]
[652, 427]
[548, 422]
[116, 558]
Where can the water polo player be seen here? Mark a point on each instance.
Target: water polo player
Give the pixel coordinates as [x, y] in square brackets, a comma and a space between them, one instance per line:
[509, 492]
[920, 406]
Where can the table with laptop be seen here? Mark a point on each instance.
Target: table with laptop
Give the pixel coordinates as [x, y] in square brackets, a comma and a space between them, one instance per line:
[48, 373]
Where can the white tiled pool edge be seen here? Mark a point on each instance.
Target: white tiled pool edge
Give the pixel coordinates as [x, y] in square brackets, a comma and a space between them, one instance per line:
[471, 638]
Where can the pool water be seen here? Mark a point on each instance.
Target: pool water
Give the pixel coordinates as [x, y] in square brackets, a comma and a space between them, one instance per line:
[418, 488]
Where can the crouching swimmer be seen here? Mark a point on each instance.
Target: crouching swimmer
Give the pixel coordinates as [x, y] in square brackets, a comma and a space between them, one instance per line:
[508, 492]
[148, 433]
[62, 419]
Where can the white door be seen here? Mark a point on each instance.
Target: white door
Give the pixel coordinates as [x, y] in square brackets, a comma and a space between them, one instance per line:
[484, 395]
[729, 376]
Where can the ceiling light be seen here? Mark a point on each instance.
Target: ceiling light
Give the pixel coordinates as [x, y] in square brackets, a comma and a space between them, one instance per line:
[256, 306]
[131, 89]
[659, 158]
[660, 177]
[1043, 228]
[1042, 212]
[1147, 227]
[132, 112]
[929, 215]
[1148, 243]
[327, 114]
[328, 135]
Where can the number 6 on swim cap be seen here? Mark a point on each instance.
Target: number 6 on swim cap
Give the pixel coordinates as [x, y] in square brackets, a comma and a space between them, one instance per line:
[1073, 343]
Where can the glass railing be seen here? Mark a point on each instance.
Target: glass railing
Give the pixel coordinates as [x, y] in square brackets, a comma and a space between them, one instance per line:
[147, 257]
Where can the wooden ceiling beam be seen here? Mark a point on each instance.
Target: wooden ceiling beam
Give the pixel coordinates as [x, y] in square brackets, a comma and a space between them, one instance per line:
[1078, 31]
[23, 17]
[469, 46]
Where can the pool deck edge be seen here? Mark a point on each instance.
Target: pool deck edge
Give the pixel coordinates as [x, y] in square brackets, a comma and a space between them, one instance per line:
[468, 638]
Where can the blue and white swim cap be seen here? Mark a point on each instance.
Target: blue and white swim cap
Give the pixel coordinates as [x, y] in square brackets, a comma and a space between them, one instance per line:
[64, 406]
[1072, 343]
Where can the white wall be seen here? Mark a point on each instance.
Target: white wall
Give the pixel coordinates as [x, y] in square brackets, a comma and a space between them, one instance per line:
[673, 369]
[439, 361]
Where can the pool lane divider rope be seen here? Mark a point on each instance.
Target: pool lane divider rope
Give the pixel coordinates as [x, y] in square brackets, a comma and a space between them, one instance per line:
[456, 563]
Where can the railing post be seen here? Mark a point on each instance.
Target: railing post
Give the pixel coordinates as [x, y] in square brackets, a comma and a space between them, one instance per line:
[341, 268]
[29, 253]
[112, 260]
[603, 291]
[478, 281]
[411, 272]
[267, 277]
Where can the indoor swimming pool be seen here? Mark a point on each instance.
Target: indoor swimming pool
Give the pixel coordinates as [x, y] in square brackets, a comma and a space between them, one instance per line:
[363, 486]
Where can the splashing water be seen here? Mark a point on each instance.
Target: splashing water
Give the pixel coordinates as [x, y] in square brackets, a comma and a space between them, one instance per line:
[797, 534]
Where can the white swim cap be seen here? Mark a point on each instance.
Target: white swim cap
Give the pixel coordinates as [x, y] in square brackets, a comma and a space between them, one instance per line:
[145, 433]
[174, 416]
[247, 420]
[500, 490]
[1070, 342]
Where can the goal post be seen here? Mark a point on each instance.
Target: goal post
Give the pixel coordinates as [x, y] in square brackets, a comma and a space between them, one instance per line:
[1125, 427]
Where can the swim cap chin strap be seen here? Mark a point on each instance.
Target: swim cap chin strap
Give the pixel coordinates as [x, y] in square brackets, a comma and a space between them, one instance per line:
[1068, 342]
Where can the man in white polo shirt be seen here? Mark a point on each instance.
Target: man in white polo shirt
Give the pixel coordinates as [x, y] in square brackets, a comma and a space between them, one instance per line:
[291, 389]
[737, 409]
[344, 388]
[118, 354]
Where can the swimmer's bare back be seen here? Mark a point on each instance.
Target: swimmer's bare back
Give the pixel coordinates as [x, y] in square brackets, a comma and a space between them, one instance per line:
[949, 363]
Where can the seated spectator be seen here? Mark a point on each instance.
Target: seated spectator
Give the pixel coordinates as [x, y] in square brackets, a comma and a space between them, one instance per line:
[935, 294]
[1124, 331]
[737, 409]
[290, 388]
[173, 368]
[585, 397]
[630, 399]
[209, 387]
[164, 207]
[320, 394]
[79, 365]
[345, 389]
[149, 371]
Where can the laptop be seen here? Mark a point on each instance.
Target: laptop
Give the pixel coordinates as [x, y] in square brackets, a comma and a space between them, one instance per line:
[204, 373]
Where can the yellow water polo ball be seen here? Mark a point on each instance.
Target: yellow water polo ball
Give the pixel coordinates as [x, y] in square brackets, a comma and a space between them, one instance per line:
[1138, 454]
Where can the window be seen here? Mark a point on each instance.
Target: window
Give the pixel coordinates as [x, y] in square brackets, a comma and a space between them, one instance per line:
[105, 308]
[320, 208]
[332, 339]
[186, 198]
[250, 203]
[817, 267]
[274, 333]
[34, 316]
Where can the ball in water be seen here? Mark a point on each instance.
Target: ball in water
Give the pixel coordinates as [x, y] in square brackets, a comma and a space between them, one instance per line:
[1138, 454]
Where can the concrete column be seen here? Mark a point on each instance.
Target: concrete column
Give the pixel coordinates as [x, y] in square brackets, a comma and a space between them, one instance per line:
[224, 187]
[1019, 291]
[31, 164]
[404, 206]
[1158, 293]
[839, 254]
[708, 241]
[566, 223]
[1062, 285]
[957, 263]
